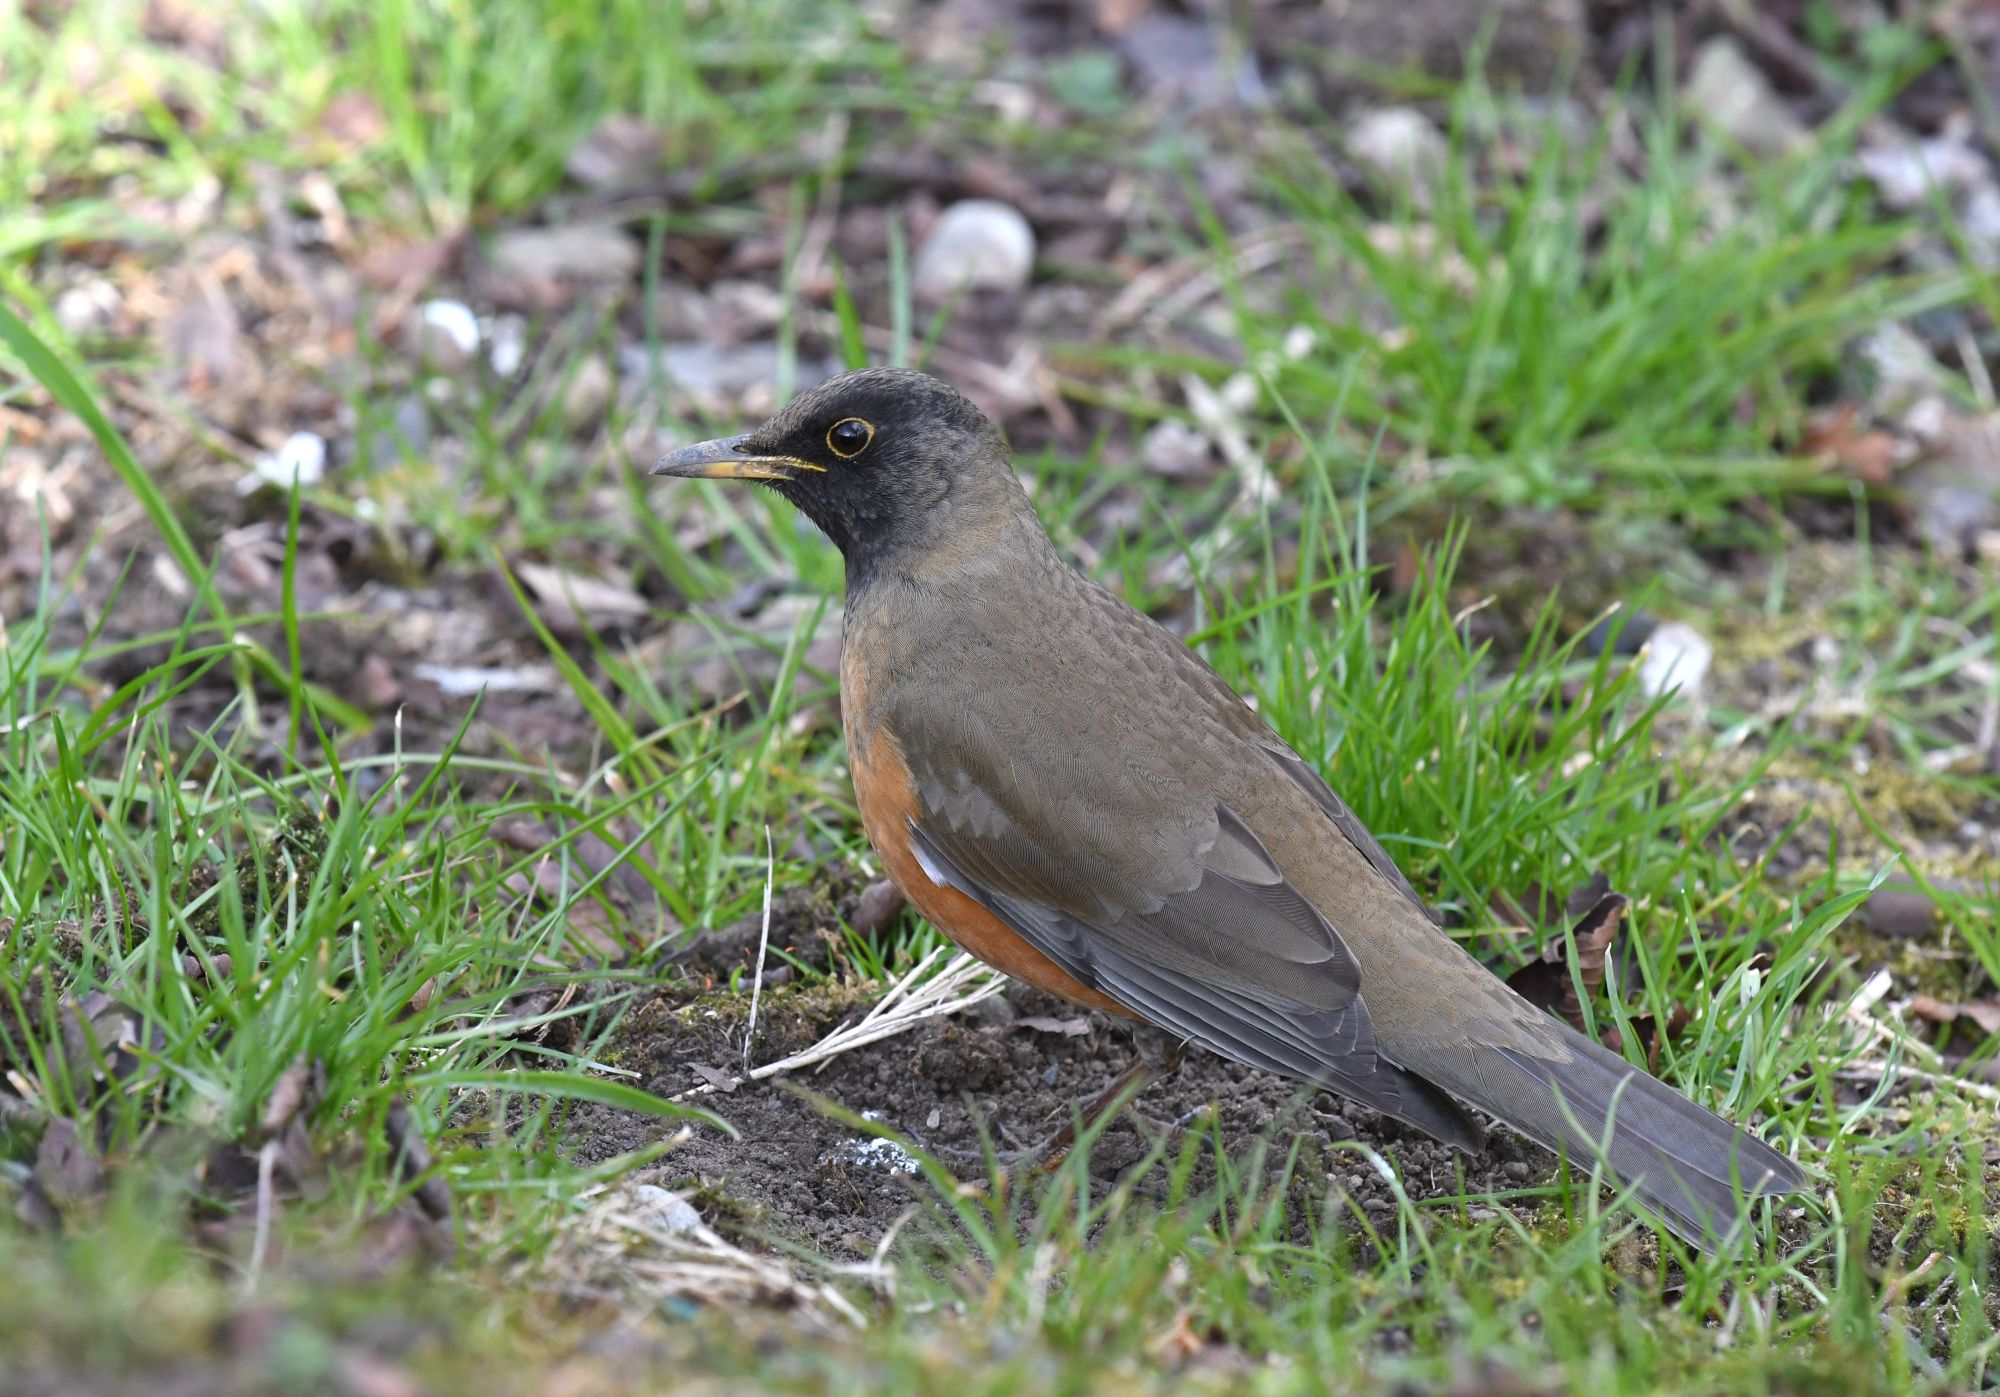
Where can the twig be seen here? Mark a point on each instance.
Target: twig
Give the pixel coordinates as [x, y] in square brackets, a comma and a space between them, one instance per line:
[1898, 1286]
[1151, 294]
[690, 1258]
[260, 1241]
[1775, 45]
[763, 947]
[810, 262]
[1873, 1070]
[962, 983]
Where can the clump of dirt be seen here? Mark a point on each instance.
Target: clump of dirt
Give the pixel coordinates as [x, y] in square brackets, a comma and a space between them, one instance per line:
[1014, 1066]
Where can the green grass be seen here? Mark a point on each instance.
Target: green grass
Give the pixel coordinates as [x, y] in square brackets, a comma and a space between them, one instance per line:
[335, 906]
[1589, 329]
[1587, 312]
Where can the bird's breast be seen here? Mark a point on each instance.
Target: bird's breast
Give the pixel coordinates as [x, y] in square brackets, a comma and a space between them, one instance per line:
[887, 797]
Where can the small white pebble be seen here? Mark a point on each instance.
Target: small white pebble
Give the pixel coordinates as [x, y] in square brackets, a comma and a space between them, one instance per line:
[1676, 656]
[451, 325]
[300, 461]
[508, 335]
[665, 1209]
[975, 244]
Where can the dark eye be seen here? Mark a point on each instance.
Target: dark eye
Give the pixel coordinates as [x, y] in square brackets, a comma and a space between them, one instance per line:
[849, 437]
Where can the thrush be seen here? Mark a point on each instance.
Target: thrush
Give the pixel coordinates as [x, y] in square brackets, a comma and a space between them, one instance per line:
[1071, 794]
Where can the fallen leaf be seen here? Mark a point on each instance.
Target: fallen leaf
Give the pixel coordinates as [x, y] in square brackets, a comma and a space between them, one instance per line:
[413, 1161]
[621, 151]
[1835, 436]
[715, 1077]
[1547, 982]
[1646, 1028]
[592, 930]
[292, 1095]
[1982, 1014]
[571, 603]
[1179, 1343]
[541, 269]
[405, 266]
[1116, 16]
[67, 1168]
[351, 121]
[204, 335]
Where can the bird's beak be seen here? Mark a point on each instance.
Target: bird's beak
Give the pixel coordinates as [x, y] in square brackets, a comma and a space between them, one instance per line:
[728, 458]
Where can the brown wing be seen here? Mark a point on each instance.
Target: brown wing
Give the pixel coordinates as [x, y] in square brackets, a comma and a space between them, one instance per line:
[1237, 959]
[1345, 820]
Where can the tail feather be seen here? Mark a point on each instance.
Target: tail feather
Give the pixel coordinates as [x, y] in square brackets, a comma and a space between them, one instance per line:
[1696, 1170]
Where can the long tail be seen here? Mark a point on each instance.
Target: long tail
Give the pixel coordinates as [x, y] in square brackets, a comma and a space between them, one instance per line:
[1693, 1168]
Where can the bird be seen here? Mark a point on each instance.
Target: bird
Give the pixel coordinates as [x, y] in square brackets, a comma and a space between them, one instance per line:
[1073, 795]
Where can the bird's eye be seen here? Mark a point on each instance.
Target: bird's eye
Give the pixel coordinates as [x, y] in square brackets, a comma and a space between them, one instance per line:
[849, 437]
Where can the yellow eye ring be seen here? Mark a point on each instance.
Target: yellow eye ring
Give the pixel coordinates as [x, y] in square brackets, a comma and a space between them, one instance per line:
[839, 429]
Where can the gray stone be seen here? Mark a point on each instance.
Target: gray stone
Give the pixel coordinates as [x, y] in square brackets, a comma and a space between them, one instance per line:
[300, 461]
[1675, 657]
[1531, 44]
[1403, 148]
[1175, 450]
[578, 251]
[621, 151]
[975, 245]
[1730, 93]
[444, 334]
[89, 308]
[588, 392]
[723, 379]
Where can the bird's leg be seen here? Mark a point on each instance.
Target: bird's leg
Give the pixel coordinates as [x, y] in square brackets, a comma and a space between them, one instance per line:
[1159, 1056]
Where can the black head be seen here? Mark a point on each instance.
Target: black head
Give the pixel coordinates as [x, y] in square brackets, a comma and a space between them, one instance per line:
[880, 459]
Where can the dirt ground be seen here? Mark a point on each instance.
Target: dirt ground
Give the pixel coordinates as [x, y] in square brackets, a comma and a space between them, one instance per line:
[1008, 1071]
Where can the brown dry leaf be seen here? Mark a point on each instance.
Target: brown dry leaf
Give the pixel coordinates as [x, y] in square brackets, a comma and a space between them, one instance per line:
[1547, 983]
[592, 930]
[67, 1167]
[396, 1241]
[525, 835]
[571, 603]
[1982, 1014]
[375, 683]
[365, 1374]
[1534, 906]
[100, 1036]
[1867, 454]
[1646, 1029]
[1179, 1343]
[714, 1077]
[405, 267]
[413, 1162]
[292, 1095]
[621, 151]
[196, 971]
[544, 881]
[1114, 17]
[352, 121]
[1902, 914]
[204, 335]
